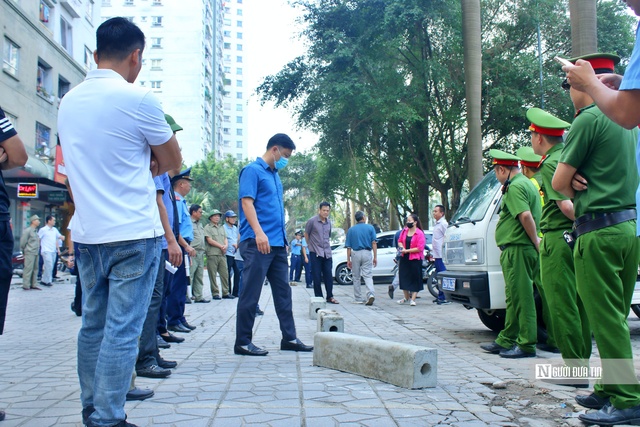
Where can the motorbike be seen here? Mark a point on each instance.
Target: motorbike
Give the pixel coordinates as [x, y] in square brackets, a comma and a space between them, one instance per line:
[17, 263]
[429, 276]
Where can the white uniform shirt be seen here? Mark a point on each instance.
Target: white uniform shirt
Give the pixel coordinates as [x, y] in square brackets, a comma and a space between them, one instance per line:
[48, 239]
[438, 237]
[106, 127]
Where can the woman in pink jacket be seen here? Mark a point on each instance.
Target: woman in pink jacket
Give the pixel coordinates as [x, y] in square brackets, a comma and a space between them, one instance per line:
[411, 245]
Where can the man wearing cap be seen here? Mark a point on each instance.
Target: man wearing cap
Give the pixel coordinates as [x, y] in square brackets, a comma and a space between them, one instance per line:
[263, 245]
[231, 230]
[178, 288]
[517, 238]
[361, 240]
[295, 266]
[30, 246]
[197, 262]
[570, 325]
[216, 239]
[607, 251]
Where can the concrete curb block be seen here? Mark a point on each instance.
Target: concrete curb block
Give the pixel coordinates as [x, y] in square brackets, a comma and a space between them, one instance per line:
[315, 304]
[330, 321]
[403, 365]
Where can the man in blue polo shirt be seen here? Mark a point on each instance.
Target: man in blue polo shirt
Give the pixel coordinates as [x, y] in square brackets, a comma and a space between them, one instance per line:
[361, 239]
[263, 246]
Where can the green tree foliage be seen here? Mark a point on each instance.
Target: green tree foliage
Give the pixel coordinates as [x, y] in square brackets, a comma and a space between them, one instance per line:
[216, 183]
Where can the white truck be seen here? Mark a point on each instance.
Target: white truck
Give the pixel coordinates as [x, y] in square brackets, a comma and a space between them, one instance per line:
[474, 276]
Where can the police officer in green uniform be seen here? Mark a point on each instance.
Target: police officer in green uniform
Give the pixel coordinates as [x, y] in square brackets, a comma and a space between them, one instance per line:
[517, 238]
[530, 165]
[607, 251]
[570, 324]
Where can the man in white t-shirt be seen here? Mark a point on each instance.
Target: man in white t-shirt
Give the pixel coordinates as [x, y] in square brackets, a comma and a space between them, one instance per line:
[114, 139]
[49, 246]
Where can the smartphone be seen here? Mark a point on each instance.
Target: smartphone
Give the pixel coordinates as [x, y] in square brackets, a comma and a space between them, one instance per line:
[562, 61]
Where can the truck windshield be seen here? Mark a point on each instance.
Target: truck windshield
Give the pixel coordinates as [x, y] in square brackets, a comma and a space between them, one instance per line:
[475, 206]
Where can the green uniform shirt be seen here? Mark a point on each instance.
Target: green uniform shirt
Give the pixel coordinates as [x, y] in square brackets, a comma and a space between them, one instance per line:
[198, 242]
[30, 242]
[552, 216]
[521, 196]
[604, 153]
[217, 233]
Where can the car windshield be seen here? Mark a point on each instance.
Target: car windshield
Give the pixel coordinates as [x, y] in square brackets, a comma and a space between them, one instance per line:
[475, 206]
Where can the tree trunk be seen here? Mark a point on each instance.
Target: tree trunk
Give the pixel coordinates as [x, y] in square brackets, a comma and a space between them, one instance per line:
[473, 86]
[422, 210]
[584, 31]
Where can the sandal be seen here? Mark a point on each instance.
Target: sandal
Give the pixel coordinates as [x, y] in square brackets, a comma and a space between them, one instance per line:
[333, 301]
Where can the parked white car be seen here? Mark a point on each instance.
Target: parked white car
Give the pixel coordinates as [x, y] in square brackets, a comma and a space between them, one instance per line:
[386, 256]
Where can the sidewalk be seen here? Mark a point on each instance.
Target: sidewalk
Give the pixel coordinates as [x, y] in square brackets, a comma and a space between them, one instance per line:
[213, 387]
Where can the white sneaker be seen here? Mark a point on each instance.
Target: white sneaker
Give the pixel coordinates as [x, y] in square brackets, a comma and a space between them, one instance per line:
[402, 301]
[412, 302]
[370, 300]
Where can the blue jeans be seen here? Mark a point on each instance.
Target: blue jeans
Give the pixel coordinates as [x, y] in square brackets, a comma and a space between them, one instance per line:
[117, 282]
[440, 267]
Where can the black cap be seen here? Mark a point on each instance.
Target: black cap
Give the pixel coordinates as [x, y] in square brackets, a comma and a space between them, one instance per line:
[182, 175]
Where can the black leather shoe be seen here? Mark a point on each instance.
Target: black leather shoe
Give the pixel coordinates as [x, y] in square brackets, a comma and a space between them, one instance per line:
[46, 284]
[188, 301]
[493, 348]
[139, 394]
[179, 328]
[259, 312]
[153, 371]
[251, 350]
[166, 364]
[188, 326]
[309, 287]
[229, 296]
[295, 346]
[216, 297]
[2, 415]
[202, 301]
[592, 401]
[162, 343]
[611, 416]
[546, 347]
[86, 413]
[172, 338]
[515, 353]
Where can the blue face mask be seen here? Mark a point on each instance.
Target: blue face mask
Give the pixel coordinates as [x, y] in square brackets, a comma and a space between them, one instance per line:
[280, 164]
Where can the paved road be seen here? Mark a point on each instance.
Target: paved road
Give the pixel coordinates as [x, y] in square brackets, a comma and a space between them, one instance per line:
[213, 387]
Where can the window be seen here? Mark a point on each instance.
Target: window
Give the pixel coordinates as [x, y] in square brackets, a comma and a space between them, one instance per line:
[128, 2]
[238, 144]
[238, 95]
[239, 35]
[106, 3]
[89, 10]
[227, 119]
[227, 57]
[238, 83]
[156, 21]
[239, 132]
[226, 82]
[156, 84]
[142, 83]
[239, 24]
[239, 12]
[239, 156]
[143, 18]
[227, 22]
[156, 64]
[227, 9]
[238, 107]
[227, 45]
[226, 131]
[128, 18]
[45, 12]
[66, 36]
[239, 46]
[239, 59]
[239, 71]
[157, 3]
[227, 69]
[238, 119]
[10, 57]
[227, 106]
[63, 86]
[227, 33]
[44, 83]
[239, 1]
[43, 136]
[156, 42]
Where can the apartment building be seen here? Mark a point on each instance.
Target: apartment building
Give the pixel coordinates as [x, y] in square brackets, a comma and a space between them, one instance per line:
[47, 48]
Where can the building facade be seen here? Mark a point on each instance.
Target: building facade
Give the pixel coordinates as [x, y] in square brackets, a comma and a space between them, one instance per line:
[47, 48]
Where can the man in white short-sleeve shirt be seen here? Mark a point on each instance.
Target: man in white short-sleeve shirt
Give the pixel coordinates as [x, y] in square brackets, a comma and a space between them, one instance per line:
[114, 138]
[49, 237]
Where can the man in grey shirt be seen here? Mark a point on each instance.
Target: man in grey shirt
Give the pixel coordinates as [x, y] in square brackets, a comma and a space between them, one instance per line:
[317, 233]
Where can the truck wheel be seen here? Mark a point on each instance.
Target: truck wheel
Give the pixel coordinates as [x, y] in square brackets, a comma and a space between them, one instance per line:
[344, 275]
[492, 319]
[432, 282]
[636, 309]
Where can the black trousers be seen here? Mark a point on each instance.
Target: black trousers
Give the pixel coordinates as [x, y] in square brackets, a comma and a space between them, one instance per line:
[231, 265]
[322, 270]
[6, 270]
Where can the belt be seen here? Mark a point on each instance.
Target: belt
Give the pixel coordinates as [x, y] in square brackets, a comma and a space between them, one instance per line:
[595, 221]
[363, 249]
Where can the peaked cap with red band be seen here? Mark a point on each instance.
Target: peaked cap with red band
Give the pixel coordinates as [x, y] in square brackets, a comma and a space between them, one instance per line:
[499, 157]
[600, 62]
[528, 158]
[545, 123]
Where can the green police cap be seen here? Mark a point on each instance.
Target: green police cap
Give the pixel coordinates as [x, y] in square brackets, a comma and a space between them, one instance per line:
[528, 157]
[172, 123]
[545, 123]
[602, 63]
[499, 157]
[214, 212]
